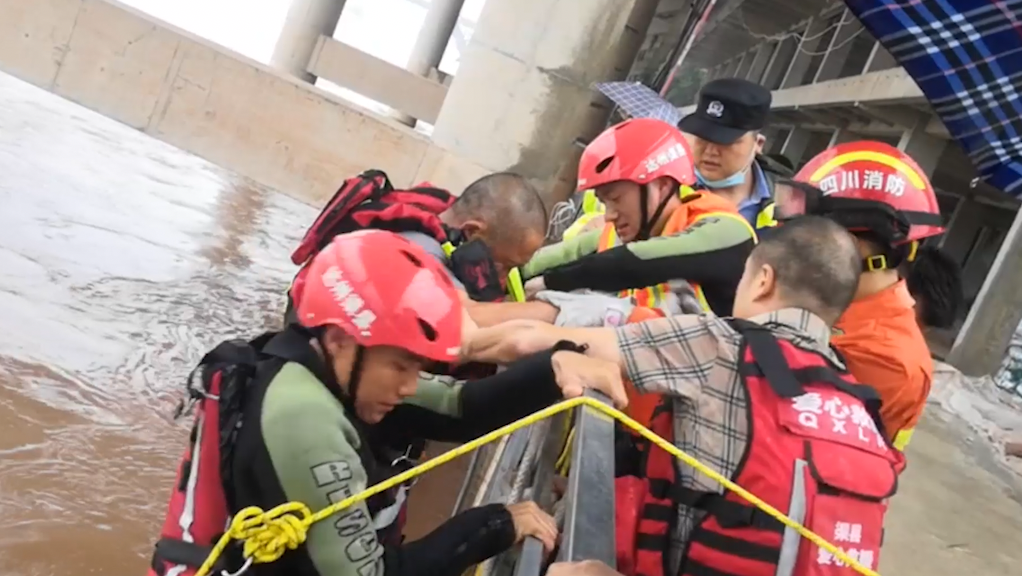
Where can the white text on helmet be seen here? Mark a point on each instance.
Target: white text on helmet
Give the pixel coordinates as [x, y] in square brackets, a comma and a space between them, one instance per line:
[665, 157]
[892, 184]
[348, 300]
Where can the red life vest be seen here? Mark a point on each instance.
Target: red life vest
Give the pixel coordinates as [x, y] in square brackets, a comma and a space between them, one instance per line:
[370, 201]
[816, 451]
[201, 501]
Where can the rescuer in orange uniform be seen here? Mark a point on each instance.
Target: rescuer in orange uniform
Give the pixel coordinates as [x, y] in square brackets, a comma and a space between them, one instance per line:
[882, 196]
[659, 234]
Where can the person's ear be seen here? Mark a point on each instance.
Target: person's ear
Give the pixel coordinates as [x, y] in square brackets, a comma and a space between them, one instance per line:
[665, 187]
[764, 284]
[760, 143]
[472, 229]
[340, 350]
[336, 341]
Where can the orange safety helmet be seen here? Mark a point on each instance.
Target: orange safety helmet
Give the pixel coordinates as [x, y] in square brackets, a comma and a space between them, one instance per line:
[875, 172]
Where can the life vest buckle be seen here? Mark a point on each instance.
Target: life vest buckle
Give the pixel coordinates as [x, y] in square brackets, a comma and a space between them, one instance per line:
[405, 462]
[244, 568]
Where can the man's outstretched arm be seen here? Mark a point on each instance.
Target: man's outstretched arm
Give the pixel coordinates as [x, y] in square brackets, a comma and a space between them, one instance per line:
[675, 355]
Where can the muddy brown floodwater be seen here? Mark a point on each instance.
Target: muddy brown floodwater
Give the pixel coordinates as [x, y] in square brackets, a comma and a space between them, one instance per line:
[121, 260]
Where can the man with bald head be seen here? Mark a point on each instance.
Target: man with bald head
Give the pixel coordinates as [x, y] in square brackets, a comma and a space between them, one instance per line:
[718, 376]
[493, 226]
[505, 211]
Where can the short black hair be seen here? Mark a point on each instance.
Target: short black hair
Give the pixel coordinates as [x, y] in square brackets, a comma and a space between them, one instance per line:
[935, 280]
[506, 201]
[816, 263]
[777, 164]
[782, 160]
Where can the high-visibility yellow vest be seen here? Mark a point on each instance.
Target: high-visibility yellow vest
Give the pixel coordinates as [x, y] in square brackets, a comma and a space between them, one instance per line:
[765, 218]
[592, 208]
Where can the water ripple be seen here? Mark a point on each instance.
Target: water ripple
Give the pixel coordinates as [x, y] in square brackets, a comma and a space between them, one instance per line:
[122, 260]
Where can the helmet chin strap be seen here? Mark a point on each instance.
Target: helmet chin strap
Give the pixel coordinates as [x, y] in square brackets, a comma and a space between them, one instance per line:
[646, 222]
[354, 377]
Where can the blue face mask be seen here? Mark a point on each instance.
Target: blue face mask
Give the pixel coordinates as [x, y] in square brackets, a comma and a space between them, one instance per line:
[731, 181]
[736, 179]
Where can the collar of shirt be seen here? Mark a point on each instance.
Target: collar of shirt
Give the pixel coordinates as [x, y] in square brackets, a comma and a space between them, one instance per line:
[749, 208]
[801, 327]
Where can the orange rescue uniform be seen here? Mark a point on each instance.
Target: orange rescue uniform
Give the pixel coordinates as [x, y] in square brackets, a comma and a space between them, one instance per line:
[881, 340]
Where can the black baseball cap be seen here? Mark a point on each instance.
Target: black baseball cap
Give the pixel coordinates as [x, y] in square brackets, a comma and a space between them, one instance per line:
[728, 108]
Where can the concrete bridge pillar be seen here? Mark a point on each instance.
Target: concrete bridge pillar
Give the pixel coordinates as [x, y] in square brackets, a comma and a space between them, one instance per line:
[523, 92]
[306, 21]
[983, 339]
[431, 43]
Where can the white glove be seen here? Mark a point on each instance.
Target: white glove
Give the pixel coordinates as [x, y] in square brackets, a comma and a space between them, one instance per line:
[533, 286]
[586, 309]
[681, 299]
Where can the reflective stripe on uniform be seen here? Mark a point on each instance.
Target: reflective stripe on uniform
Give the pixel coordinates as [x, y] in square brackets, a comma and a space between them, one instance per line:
[515, 287]
[578, 225]
[765, 218]
[651, 297]
[902, 438]
[591, 204]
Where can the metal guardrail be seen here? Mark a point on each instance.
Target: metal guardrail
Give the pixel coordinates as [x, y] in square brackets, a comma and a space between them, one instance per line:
[531, 557]
[589, 500]
[588, 532]
[513, 472]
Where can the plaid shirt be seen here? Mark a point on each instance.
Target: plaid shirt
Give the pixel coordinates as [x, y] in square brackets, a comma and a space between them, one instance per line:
[694, 359]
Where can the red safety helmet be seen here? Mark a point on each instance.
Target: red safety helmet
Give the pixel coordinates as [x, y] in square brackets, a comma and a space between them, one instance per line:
[875, 172]
[638, 150]
[383, 291]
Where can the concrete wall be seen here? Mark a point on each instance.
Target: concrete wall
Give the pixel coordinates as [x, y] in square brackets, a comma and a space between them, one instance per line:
[523, 92]
[205, 99]
[377, 79]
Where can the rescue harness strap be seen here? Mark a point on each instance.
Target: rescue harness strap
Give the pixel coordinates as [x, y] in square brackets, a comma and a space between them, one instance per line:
[266, 535]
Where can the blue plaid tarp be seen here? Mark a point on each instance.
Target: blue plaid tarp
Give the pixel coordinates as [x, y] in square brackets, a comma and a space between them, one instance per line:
[966, 57]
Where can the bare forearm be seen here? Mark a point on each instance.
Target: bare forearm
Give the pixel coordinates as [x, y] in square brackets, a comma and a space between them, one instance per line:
[486, 314]
[508, 342]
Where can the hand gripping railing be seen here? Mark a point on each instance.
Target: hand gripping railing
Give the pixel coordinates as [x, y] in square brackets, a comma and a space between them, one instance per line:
[588, 531]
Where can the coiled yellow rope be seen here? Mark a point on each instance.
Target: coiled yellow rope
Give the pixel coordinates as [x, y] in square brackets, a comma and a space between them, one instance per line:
[268, 534]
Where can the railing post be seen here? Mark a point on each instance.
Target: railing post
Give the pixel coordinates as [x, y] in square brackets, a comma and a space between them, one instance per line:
[589, 499]
[531, 559]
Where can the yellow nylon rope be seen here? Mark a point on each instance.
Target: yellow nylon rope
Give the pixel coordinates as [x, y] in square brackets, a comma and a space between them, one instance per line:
[266, 535]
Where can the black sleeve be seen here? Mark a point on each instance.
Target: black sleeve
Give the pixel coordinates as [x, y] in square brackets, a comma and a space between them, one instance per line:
[711, 251]
[469, 538]
[486, 404]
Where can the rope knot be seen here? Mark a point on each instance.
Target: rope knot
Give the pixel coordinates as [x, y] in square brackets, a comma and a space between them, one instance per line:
[267, 535]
